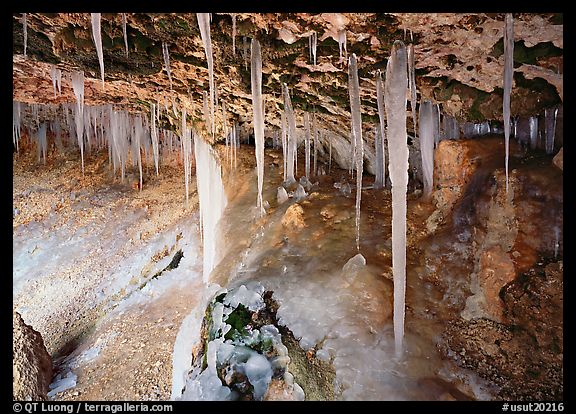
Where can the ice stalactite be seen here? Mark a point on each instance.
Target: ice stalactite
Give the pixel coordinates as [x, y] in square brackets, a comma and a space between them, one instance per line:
[42, 144]
[16, 124]
[450, 127]
[258, 116]
[97, 37]
[550, 128]
[533, 128]
[414, 150]
[139, 136]
[25, 30]
[395, 101]
[206, 109]
[284, 143]
[312, 45]
[154, 135]
[245, 53]
[186, 137]
[125, 33]
[166, 55]
[436, 125]
[508, 73]
[291, 145]
[426, 133]
[56, 76]
[212, 200]
[307, 144]
[329, 154]
[342, 45]
[354, 91]
[234, 33]
[315, 138]
[204, 24]
[378, 150]
[381, 164]
[78, 87]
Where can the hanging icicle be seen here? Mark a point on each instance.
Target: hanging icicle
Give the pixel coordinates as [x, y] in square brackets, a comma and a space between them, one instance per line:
[355, 111]
[426, 133]
[381, 164]
[307, 145]
[97, 37]
[508, 74]
[234, 33]
[550, 115]
[395, 101]
[166, 55]
[312, 43]
[291, 145]
[125, 33]
[258, 117]
[204, 24]
[25, 30]
[342, 44]
[78, 87]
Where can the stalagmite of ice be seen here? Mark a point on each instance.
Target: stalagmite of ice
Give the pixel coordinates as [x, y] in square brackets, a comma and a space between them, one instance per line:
[395, 101]
[342, 44]
[281, 195]
[16, 124]
[234, 33]
[299, 193]
[154, 136]
[381, 166]
[25, 29]
[550, 128]
[426, 124]
[166, 55]
[354, 91]
[508, 73]
[258, 117]
[97, 37]
[307, 144]
[78, 87]
[125, 33]
[212, 199]
[204, 24]
[291, 146]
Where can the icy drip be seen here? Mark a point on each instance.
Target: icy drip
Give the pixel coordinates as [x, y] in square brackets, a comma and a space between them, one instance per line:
[204, 23]
[25, 29]
[342, 44]
[550, 126]
[395, 100]
[426, 133]
[97, 37]
[125, 33]
[78, 87]
[381, 164]
[291, 146]
[315, 138]
[16, 124]
[166, 55]
[378, 180]
[508, 73]
[186, 136]
[139, 137]
[436, 125]
[354, 91]
[307, 144]
[533, 128]
[258, 116]
[154, 135]
[234, 33]
[312, 44]
[206, 110]
[56, 76]
[284, 143]
[212, 201]
[42, 143]
[412, 83]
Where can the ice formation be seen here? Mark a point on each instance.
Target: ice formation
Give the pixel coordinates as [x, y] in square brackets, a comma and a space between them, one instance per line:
[312, 44]
[78, 87]
[533, 127]
[234, 33]
[307, 144]
[166, 55]
[154, 136]
[284, 143]
[204, 24]
[56, 76]
[16, 124]
[315, 133]
[381, 144]
[550, 128]
[206, 109]
[342, 44]
[42, 143]
[508, 73]
[97, 37]
[212, 200]
[186, 140]
[125, 33]
[25, 29]
[395, 100]
[354, 91]
[281, 195]
[436, 125]
[258, 116]
[291, 146]
[426, 133]
[412, 83]
[450, 127]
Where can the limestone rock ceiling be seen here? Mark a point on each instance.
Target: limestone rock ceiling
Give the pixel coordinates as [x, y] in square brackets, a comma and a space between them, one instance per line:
[459, 61]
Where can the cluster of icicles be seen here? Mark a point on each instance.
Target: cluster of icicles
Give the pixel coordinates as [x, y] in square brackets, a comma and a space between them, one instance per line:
[126, 135]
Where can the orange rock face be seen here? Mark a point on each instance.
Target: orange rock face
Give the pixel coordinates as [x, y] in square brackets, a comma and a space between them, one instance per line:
[496, 270]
